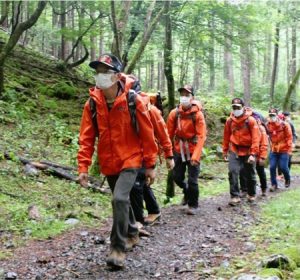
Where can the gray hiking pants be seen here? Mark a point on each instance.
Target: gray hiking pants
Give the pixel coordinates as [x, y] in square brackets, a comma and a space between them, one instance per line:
[123, 218]
[239, 164]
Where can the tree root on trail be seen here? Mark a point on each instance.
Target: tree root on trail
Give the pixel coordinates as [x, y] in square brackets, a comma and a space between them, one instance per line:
[61, 171]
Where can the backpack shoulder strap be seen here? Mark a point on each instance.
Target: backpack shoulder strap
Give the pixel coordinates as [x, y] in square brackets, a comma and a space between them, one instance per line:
[131, 100]
[93, 108]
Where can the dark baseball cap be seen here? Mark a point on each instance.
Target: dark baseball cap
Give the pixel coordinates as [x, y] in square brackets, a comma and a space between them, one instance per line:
[273, 112]
[286, 113]
[188, 88]
[109, 60]
[238, 102]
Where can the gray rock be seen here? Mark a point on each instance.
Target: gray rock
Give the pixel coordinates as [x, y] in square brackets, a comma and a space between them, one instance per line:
[11, 275]
[250, 247]
[277, 261]
[225, 264]
[71, 221]
[31, 170]
[246, 277]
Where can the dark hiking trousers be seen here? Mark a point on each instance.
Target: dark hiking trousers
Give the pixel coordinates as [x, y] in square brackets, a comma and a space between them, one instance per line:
[190, 189]
[123, 218]
[138, 194]
[239, 165]
[262, 178]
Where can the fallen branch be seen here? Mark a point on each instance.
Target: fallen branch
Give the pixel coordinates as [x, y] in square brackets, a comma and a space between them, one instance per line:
[61, 171]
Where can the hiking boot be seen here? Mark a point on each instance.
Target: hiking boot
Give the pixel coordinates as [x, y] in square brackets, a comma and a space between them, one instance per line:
[184, 201]
[191, 211]
[152, 218]
[287, 184]
[131, 242]
[116, 259]
[264, 192]
[243, 194]
[251, 198]
[234, 201]
[273, 188]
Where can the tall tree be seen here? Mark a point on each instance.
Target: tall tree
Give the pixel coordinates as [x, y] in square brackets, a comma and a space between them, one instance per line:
[19, 28]
[275, 60]
[228, 61]
[150, 26]
[4, 14]
[168, 60]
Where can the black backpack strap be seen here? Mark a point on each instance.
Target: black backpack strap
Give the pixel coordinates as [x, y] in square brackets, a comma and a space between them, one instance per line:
[131, 100]
[93, 109]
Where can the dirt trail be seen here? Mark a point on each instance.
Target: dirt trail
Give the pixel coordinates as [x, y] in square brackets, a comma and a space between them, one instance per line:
[180, 246]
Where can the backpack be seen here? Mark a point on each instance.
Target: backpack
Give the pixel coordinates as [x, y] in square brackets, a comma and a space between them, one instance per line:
[191, 116]
[131, 101]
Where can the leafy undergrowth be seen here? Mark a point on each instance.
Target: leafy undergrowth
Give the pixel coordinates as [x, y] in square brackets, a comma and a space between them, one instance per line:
[278, 232]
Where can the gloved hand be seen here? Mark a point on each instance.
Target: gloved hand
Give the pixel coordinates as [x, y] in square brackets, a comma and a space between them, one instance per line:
[261, 162]
[251, 159]
[83, 179]
[150, 176]
[170, 163]
[194, 162]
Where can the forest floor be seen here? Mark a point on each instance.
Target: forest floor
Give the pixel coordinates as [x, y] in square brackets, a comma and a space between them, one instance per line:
[180, 246]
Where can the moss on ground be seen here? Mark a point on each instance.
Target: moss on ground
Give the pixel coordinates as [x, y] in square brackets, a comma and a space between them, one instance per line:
[268, 272]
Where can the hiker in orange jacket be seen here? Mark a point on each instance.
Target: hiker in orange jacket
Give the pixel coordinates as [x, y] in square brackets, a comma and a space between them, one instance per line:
[141, 191]
[240, 148]
[121, 150]
[261, 156]
[281, 147]
[187, 129]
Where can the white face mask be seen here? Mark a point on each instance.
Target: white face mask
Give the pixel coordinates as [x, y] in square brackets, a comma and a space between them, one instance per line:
[185, 100]
[104, 81]
[273, 119]
[238, 113]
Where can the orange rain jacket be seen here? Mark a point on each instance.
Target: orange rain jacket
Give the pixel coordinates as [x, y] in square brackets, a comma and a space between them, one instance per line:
[119, 146]
[241, 135]
[186, 129]
[159, 126]
[281, 136]
[263, 143]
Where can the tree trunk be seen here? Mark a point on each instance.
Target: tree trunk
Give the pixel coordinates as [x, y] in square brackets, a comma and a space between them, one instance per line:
[228, 63]
[267, 60]
[211, 26]
[144, 42]
[288, 68]
[118, 26]
[151, 81]
[158, 71]
[246, 66]
[4, 14]
[290, 90]
[14, 37]
[275, 63]
[54, 25]
[294, 66]
[168, 60]
[63, 26]
[196, 80]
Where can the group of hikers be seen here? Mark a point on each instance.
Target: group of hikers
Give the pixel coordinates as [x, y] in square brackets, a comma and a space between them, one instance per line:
[129, 132]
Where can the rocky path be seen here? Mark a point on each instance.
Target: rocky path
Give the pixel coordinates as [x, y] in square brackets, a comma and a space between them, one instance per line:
[180, 246]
